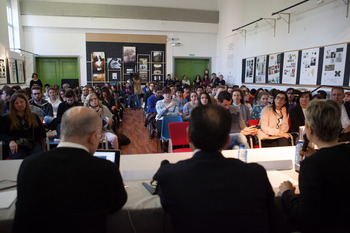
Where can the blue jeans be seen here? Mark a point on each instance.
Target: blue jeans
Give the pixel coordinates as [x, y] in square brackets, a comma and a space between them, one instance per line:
[129, 100]
[23, 152]
[137, 100]
[237, 139]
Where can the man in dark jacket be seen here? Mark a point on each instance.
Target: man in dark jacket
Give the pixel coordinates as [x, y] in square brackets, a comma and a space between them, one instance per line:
[67, 189]
[210, 193]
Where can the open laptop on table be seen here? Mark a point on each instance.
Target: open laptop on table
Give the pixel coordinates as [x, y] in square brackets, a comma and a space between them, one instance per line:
[111, 155]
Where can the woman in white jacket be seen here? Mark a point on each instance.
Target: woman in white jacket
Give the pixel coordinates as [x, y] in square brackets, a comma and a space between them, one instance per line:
[274, 122]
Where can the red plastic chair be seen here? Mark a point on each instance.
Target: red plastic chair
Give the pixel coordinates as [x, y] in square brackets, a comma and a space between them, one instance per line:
[250, 123]
[178, 136]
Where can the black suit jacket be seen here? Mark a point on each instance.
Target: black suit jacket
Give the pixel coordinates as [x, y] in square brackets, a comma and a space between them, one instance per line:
[210, 193]
[297, 118]
[324, 201]
[67, 190]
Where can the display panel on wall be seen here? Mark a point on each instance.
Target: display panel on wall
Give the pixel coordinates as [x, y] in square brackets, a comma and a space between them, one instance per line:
[3, 77]
[290, 66]
[129, 55]
[122, 59]
[333, 69]
[274, 68]
[12, 70]
[249, 70]
[260, 70]
[20, 71]
[309, 66]
[114, 63]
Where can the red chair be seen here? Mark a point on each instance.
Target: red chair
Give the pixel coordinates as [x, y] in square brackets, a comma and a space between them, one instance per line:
[250, 123]
[178, 136]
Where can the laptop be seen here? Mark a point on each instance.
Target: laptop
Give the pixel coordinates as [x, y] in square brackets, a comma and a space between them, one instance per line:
[111, 155]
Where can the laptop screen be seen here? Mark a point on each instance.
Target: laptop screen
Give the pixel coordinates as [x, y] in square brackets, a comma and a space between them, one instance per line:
[111, 155]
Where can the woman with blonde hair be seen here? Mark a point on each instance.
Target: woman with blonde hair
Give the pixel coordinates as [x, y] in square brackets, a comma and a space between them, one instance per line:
[323, 203]
[93, 102]
[22, 129]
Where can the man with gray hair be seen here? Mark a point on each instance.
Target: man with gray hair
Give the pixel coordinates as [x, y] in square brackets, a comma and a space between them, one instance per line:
[67, 189]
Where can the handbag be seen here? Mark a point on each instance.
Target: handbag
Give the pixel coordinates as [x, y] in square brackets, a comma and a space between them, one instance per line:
[26, 142]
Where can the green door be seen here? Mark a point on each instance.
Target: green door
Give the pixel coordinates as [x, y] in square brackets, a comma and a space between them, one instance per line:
[52, 70]
[191, 67]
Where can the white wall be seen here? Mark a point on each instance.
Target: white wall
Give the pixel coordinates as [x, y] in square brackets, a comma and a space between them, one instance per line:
[50, 36]
[311, 26]
[4, 36]
[193, 4]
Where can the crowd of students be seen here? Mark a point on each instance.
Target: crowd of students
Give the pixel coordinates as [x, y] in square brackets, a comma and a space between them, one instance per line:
[279, 113]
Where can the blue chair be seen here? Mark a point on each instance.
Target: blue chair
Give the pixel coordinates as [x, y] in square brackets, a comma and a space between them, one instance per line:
[165, 135]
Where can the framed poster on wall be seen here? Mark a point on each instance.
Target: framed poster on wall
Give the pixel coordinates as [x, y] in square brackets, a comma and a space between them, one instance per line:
[333, 68]
[274, 68]
[3, 76]
[98, 62]
[20, 71]
[12, 70]
[309, 66]
[260, 69]
[249, 70]
[98, 78]
[290, 67]
[157, 56]
[129, 55]
[114, 63]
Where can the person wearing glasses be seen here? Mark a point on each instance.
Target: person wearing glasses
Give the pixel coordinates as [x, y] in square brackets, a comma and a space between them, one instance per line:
[68, 181]
[274, 122]
[106, 116]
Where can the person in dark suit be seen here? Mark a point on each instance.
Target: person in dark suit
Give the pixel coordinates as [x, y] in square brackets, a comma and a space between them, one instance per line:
[323, 204]
[67, 189]
[297, 117]
[211, 193]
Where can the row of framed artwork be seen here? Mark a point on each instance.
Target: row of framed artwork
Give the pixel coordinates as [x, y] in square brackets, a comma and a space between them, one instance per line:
[12, 71]
[118, 69]
[328, 65]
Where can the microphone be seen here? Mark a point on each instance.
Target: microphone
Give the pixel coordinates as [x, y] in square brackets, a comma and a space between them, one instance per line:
[306, 143]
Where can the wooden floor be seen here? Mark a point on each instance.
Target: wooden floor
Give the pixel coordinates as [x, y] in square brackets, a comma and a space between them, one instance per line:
[133, 127]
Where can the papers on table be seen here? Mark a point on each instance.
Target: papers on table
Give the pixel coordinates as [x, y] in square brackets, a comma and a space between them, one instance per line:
[276, 178]
[7, 198]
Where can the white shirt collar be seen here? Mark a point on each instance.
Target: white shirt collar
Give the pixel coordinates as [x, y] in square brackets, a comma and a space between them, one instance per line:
[73, 145]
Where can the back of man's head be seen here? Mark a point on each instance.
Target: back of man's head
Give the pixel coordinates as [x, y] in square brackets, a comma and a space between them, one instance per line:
[210, 126]
[78, 122]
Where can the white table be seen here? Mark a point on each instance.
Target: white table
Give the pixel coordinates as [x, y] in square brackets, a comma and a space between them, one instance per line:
[142, 210]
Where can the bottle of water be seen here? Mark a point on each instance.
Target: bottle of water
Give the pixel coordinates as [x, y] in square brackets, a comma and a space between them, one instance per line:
[242, 153]
[298, 148]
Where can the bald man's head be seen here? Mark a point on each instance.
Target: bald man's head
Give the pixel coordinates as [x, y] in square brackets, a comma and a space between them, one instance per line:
[78, 122]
